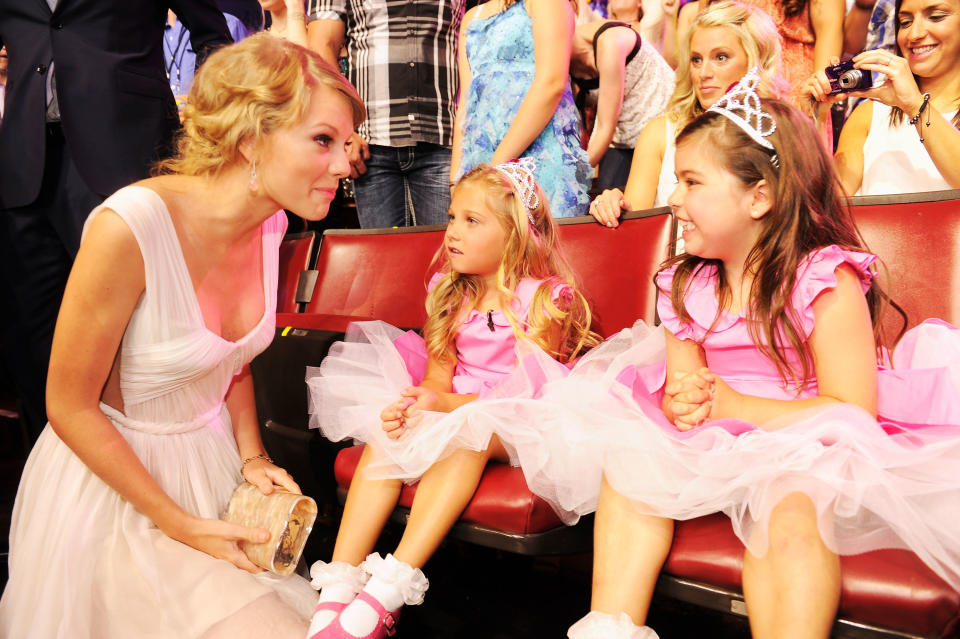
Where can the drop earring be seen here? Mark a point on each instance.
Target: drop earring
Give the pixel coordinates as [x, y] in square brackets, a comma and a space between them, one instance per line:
[254, 184]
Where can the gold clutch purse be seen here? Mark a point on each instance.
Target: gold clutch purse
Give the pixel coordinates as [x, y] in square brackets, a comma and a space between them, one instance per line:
[289, 518]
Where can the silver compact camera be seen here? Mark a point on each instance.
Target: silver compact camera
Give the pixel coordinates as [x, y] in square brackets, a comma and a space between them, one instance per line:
[844, 78]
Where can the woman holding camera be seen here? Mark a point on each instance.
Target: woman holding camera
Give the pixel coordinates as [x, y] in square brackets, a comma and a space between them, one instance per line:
[906, 137]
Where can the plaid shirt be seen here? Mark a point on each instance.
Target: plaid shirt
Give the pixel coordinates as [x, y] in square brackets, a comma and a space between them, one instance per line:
[402, 58]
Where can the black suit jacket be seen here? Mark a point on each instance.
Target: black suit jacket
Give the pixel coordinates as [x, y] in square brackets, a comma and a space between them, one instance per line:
[117, 111]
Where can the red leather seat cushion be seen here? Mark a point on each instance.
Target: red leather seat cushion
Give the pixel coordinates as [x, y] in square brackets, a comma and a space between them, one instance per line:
[502, 500]
[615, 267]
[886, 588]
[381, 274]
[918, 243]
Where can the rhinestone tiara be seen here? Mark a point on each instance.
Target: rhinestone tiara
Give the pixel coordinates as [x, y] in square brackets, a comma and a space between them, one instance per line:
[520, 174]
[741, 104]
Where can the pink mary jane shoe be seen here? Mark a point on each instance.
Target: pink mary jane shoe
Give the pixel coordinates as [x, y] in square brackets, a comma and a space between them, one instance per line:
[386, 626]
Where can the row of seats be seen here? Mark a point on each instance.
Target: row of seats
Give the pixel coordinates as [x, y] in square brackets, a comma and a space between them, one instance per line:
[381, 274]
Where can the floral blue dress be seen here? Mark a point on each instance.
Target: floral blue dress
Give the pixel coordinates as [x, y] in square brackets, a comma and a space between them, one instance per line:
[500, 54]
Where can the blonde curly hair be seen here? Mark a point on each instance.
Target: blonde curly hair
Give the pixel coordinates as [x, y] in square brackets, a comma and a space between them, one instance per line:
[245, 90]
[560, 327]
[760, 40]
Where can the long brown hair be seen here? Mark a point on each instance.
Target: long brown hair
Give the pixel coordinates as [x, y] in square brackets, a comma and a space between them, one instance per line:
[808, 213]
[532, 251]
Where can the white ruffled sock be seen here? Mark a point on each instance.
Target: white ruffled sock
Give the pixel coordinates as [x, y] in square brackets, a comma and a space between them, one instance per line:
[392, 583]
[337, 582]
[600, 625]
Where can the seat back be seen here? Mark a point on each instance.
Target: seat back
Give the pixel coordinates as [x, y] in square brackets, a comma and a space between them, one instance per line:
[382, 273]
[615, 267]
[296, 249]
[377, 273]
[918, 238]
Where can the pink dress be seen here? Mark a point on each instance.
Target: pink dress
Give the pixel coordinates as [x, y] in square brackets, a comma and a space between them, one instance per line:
[890, 482]
[365, 373]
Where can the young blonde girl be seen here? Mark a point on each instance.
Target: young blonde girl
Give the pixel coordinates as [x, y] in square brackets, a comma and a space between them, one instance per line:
[773, 410]
[503, 288]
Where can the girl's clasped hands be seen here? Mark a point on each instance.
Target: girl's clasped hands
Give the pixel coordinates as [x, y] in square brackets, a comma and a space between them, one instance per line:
[689, 397]
[401, 414]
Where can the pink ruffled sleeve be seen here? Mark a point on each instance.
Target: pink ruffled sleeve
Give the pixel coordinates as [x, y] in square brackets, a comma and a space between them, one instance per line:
[818, 273]
[668, 317]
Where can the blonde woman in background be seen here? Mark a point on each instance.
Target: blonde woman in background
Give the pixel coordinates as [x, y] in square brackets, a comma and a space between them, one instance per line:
[723, 43]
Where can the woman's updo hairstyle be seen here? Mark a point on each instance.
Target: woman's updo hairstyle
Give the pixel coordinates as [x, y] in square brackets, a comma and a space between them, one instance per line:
[245, 90]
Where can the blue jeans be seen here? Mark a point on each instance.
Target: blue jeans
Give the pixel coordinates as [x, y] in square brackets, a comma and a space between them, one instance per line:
[404, 186]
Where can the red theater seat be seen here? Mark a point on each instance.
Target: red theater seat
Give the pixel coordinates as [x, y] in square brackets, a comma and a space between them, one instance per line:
[616, 266]
[887, 593]
[378, 273]
[296, 250]
[918, 238]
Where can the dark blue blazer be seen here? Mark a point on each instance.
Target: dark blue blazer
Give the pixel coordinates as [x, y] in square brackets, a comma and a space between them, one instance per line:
[117, 111]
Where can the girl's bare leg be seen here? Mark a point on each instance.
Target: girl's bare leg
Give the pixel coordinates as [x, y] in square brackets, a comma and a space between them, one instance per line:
[444, 491]
[369, 504]
[629, 549]
[792, 591]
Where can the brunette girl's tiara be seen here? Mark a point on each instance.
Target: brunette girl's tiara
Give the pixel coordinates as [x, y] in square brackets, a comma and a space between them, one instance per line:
[741, 104]
[520, 174]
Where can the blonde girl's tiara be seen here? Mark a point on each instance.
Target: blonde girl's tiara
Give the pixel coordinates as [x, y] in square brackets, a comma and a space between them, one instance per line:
[520, 174]
[741, 104]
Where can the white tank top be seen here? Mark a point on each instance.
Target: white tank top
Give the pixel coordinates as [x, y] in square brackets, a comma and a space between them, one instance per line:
[894, 159]
[668, 181]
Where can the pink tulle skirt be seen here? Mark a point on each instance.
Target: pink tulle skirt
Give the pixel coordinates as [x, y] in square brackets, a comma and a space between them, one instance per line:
[890, 482]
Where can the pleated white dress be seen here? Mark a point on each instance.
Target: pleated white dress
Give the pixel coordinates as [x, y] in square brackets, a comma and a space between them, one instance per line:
[83, 562]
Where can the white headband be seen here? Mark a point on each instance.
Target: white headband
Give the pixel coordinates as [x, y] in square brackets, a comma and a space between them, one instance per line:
[742, 106]
[520, 174]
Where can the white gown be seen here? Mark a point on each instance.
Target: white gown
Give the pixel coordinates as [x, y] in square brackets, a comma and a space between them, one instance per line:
[83, 562]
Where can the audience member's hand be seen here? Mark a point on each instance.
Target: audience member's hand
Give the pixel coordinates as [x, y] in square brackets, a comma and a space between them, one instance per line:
[899, 89]
[690, 397]
[265, 475]
[358, 152]
[817, 86]
[670, 7]
[608, 206]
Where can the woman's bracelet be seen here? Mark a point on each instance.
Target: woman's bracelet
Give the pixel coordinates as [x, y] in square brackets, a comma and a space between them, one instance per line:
[924, 106]
[246, 461]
